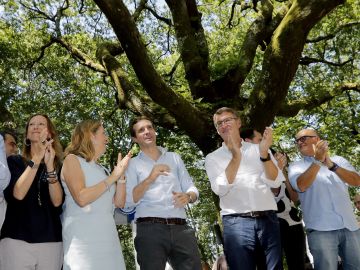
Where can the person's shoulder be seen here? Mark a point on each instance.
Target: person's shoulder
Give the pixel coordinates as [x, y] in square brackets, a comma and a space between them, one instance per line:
[18, 159]
[215, 153]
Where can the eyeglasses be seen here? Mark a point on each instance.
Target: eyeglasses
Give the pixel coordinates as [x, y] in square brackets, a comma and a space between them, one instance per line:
[225, 121]
[303, 138]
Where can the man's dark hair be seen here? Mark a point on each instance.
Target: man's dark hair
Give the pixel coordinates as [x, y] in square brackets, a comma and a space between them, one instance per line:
[9, 132]
[247, 133]
[134, 121]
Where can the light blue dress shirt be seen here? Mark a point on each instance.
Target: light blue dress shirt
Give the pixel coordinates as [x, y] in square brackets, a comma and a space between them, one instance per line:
[158, 199]
[4, 170]
[326, 204]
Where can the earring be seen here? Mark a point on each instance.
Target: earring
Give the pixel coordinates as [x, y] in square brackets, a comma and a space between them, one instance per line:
[27, 142]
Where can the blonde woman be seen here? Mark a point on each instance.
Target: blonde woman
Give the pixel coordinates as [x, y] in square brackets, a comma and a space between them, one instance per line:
[31, 233]
[89, 233]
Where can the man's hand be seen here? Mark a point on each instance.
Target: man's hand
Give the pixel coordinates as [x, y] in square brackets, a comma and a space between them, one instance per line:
[281, 160]
[180, 199]
[266, 142]
[320, 150]
[159, 169]
[233, 146]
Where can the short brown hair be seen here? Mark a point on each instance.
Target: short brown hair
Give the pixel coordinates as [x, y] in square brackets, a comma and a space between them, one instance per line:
[81, 144]
[134, 121]
[225, 109]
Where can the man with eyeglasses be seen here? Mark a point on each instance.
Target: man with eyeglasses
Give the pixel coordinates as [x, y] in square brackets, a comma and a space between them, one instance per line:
[322, 182]
[241, 174]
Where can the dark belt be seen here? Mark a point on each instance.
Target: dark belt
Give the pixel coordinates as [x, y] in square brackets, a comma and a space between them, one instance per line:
[167, 221]
[253, 214]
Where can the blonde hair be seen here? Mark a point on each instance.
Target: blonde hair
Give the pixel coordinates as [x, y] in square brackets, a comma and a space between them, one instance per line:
[81, 144]
[53, 134]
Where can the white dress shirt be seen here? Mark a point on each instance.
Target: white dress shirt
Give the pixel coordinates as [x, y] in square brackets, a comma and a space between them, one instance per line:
[250, 190]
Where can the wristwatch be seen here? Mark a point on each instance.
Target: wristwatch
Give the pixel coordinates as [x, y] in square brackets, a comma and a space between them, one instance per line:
[265, 159]
[334, 167]
[32, 165]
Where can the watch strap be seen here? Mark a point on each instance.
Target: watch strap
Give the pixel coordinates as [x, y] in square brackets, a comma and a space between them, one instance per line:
[265, 159]
[32, 164]
[334, 167]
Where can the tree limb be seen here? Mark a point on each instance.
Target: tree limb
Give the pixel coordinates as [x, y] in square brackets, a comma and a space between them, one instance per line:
[228, 86]
[79, 56]
[293, 108]
[309, 60]
[332, 35]
[42, 53]
[281, 59]
[192, 45]
[187, 116]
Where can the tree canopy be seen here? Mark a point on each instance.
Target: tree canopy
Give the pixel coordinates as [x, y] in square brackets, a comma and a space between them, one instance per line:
[286, 63]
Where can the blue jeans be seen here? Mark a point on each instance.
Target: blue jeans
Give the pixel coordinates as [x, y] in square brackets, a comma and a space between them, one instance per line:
[243, 234]
[326, 246]
[158, 243]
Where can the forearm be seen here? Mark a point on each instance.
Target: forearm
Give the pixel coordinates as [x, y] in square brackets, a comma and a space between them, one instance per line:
[294, 196]
[88, 195]
[231, 169]
[306, 179]
[120, 195]
[56, 193]
[349, 177]
[140, 189]
[24, 183]
[271, 171]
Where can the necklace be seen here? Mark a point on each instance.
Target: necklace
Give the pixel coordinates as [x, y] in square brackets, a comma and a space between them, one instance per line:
[42, 178]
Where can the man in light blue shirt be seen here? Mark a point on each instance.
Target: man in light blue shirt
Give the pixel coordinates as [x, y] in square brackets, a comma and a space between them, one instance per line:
[4, 179]
[322, 183]
[160, 187]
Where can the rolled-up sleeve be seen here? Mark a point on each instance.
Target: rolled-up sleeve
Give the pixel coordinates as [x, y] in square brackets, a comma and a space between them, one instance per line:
[4, 169]
[218, 180]
[186, 181]
[131, 183]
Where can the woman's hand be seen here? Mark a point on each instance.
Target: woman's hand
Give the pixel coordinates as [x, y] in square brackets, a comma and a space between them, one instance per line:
[49, 156]
[121, 165]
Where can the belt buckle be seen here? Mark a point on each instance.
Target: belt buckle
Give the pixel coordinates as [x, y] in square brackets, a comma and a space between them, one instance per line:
[253, 214]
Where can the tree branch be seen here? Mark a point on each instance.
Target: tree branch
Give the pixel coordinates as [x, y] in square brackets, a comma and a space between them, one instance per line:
[292, 109]
[192, 46]
[157, 16]
[228, 86]
[42, 53]
[187, 117]
[139, 9]
[332, 35]
[79, 56]
[281, 59]
[309, 60]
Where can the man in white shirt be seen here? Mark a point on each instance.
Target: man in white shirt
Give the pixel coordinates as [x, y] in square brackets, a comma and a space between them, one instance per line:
[4, 179]
[241, 174]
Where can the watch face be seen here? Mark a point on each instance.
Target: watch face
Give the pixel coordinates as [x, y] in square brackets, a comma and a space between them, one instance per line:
[31, 163]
